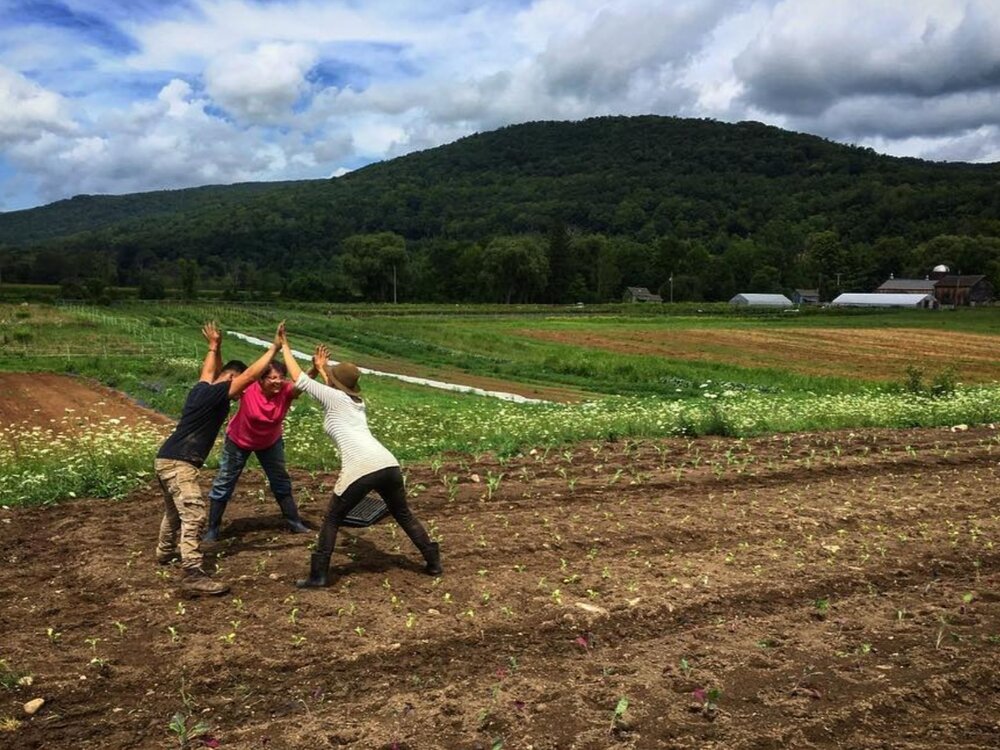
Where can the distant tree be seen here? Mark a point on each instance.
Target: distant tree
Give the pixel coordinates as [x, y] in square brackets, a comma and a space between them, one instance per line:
[970, 255]
[308, 287]
[687, 288]
[609, 275]
[72, 289]
[765, 280]
[373, 262]
[826, 258]
[515, 269]
[188, 272]
[151, 286]
[560, 263]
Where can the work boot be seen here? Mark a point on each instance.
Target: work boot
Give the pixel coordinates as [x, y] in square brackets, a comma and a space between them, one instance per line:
[319, 565]
[196, 582]
[167, 558]
[291, 513]
[433, 557]
[214, 521]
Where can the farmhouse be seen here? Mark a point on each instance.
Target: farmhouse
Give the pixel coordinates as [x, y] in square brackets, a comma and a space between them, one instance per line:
[805, 296]
[886, 299]
[640, 294]
[761, 300]
[963, 290]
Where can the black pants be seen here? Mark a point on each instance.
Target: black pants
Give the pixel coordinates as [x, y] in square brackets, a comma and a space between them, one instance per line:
[388, 483]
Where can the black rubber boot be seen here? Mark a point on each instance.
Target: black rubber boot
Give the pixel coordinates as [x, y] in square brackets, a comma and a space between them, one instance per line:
[433, 557]
[214, 521]
[291, 513]
[319, 566]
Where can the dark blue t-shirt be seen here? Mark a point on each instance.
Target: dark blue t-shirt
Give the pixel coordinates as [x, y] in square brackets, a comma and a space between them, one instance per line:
[205, 409]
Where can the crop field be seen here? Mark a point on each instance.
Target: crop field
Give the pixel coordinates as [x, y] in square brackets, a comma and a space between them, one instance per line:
[707, 533]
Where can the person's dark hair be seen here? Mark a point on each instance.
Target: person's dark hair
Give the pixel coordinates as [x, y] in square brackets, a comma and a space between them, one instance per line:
[234, 365]
[278, 367]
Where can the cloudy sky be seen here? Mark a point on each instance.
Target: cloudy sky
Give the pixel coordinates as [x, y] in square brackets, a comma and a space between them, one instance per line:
[117, 96]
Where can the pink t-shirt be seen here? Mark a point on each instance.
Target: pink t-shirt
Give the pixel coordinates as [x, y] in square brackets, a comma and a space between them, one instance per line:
[258, 422]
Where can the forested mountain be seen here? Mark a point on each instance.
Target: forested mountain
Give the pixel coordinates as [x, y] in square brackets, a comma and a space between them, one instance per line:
[545, 211]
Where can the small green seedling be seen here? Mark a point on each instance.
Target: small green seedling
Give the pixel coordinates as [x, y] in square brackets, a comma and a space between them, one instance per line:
[185, 734]
[619, 713]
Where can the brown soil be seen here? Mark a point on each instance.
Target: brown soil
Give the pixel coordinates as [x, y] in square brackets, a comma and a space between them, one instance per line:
[873, 354]
[45, 398]
[840, 590]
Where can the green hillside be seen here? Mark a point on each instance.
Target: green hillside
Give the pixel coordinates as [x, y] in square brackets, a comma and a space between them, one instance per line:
[89, 212]
[546, 211]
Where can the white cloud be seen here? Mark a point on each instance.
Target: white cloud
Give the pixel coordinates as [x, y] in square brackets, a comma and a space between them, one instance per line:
[809, 55]
[229, 90]
[263, 85]
[28, 111]
[169, 143]
[216, 28]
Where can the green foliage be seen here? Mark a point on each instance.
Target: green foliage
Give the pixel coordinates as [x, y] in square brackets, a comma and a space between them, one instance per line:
[10, 678]
[514, 269]
[372, 262]
[621, 201]
[943, 383]
[186, 733]
[152, 287]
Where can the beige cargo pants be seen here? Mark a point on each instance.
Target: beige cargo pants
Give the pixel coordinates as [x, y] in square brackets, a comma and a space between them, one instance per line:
[185, 512]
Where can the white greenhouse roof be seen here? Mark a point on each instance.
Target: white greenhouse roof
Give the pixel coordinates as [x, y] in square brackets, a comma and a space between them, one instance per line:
[864, 299]
[773, 300]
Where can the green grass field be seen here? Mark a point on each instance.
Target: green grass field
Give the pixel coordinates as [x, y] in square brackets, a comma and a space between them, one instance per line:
[714, 384]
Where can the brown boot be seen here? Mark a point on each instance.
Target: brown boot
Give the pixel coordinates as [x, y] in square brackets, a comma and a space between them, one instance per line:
[196, 582]
[167, 558]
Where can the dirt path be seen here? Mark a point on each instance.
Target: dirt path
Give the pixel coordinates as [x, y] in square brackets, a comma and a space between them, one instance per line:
[44, 398]
[839, 590]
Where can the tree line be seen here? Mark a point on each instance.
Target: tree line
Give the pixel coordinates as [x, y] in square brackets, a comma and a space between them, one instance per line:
[542, 212]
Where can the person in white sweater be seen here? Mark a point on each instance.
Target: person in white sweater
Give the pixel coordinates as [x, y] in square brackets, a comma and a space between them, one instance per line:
[366, 464]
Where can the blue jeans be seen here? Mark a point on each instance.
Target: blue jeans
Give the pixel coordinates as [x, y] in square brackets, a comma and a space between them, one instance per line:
[234, 459]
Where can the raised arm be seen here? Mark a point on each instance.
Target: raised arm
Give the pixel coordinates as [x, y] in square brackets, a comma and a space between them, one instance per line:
[311, 374]
[286, 352]
[242, 381]
[320, 359]
[213, 357]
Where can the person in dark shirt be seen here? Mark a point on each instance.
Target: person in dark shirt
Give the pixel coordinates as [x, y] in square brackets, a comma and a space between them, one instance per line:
[184, 452]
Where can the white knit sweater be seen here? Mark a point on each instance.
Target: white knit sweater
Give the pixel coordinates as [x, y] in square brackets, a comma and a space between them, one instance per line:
[346, 421]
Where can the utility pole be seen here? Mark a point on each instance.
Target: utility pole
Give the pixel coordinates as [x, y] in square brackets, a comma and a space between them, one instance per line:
[394, 283]
[671, 288]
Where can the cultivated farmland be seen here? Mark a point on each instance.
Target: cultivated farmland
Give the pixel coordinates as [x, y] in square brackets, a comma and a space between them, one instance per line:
[614, 576]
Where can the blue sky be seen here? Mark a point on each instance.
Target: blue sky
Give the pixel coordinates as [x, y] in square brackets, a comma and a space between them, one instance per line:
[116, 97]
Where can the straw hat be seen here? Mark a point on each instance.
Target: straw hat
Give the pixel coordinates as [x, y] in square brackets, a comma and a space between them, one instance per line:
[344, 376]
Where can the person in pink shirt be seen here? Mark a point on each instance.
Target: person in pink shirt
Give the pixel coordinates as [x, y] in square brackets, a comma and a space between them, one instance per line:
[257, 429]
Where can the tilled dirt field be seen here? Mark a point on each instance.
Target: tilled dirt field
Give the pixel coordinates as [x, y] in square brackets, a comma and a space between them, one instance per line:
[869, 353]
[829, 590]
